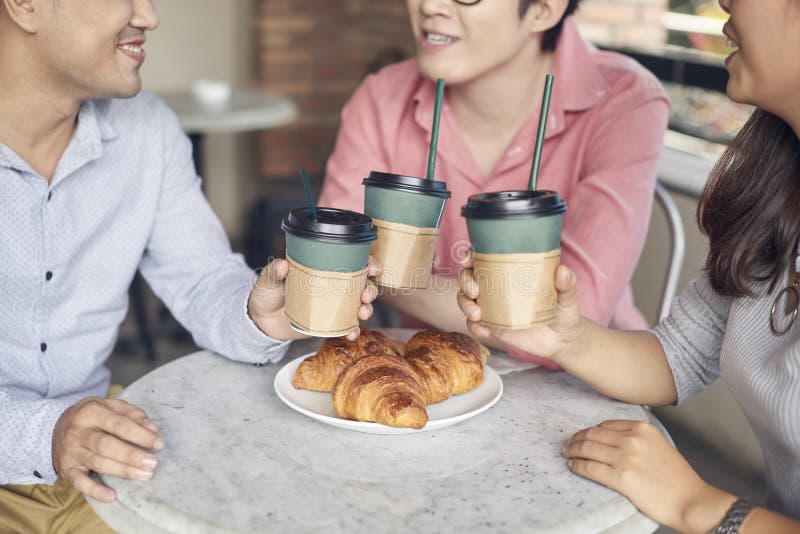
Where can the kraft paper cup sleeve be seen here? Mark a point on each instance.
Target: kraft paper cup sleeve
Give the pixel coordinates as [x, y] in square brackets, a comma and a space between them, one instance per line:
[517, 291]
[406, 254]
[323, 303]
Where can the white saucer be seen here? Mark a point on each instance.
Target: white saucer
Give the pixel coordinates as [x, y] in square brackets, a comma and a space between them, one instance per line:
[319, 405]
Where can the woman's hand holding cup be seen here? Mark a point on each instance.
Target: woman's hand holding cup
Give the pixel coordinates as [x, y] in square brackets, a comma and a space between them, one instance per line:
[555, 340]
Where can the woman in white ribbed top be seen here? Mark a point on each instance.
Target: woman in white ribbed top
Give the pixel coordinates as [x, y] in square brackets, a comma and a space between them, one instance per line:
[736, 320]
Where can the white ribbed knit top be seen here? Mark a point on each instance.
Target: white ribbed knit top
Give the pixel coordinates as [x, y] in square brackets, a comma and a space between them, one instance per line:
[707, 335]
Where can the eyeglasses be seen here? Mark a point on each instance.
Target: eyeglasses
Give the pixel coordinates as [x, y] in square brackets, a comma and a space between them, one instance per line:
[466, 2]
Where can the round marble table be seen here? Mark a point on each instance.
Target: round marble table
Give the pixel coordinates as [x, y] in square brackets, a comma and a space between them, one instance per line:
[245, 110]
[238, 460]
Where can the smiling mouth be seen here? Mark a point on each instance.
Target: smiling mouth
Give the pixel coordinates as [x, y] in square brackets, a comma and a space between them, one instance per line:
[132, 48]
[438, 38]
[730, 42]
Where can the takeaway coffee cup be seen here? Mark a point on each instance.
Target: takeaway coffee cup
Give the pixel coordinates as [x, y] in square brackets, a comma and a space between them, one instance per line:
[407, 212]
[516, 236]
[327, 269]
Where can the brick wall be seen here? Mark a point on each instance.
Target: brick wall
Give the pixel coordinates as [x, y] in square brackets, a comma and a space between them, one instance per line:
[317, 52]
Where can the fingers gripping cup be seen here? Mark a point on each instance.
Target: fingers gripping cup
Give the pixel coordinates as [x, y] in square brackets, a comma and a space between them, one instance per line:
[516, 236]
[327, 269]
[407, 212]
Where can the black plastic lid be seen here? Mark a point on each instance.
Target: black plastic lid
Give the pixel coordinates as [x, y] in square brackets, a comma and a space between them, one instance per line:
[334, 226]
[513, 204]
[409, 184]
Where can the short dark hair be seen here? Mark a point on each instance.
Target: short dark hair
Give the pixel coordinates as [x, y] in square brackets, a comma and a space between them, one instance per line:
[550, 36]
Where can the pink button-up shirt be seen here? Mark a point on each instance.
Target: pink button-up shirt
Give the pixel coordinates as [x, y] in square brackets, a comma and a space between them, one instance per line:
[607, 120]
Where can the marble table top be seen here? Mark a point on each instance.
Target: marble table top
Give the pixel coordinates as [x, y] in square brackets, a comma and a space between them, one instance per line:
[238, 460]
[246, 110]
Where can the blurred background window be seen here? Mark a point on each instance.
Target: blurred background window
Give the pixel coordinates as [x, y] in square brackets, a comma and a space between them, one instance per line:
[697, 25]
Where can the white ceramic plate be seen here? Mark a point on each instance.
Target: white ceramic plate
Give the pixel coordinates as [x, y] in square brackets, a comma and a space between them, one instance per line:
[458, 408]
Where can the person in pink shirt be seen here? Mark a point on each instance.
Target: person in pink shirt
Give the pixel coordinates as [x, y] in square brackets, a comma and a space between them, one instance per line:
[607, 120]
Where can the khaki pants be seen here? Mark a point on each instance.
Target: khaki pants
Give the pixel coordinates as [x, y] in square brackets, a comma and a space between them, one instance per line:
[43, 509]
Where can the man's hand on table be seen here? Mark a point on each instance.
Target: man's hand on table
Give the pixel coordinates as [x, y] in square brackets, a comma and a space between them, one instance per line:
[107, 436]
[267, 299]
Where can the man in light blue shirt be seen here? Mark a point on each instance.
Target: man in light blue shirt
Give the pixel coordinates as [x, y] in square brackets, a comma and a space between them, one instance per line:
[92, 188]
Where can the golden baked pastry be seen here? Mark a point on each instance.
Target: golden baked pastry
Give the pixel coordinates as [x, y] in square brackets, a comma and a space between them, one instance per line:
[378, 379]
[319, 372]
[381, 389]
[448, 363]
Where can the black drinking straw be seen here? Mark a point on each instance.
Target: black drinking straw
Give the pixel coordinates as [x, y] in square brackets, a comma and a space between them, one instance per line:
[309, 197]
[437, 111]
[543, 114]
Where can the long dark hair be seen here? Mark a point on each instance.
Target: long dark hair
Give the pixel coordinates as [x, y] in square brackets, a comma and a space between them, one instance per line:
[750, 208]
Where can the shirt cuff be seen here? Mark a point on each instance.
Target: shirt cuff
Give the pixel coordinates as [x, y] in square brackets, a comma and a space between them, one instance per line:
[264, 348]
[38, 468]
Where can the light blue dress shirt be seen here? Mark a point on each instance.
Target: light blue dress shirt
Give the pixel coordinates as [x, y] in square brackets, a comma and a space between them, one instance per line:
[124, 196]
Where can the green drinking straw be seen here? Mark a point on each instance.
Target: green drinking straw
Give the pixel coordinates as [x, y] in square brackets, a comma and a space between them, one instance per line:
[310, 198]
[543, 114]
[437, 111]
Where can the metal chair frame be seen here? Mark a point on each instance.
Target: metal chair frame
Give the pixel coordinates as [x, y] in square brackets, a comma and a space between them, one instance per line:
[677, 250]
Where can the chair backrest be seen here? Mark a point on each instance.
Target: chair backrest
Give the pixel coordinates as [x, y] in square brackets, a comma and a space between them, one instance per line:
[677, 249]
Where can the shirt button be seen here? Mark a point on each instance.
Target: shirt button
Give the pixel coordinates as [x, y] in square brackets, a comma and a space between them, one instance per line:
[49, 195]
[48, 276]
[43, 346]
[37, 474]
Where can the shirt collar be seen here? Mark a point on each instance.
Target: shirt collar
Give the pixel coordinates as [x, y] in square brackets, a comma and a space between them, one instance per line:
[579, 80]
[107, 130]
[93, 129]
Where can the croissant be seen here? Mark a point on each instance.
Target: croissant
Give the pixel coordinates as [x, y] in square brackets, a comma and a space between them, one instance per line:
[383, 389]
[448, 363]
[319, 372]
